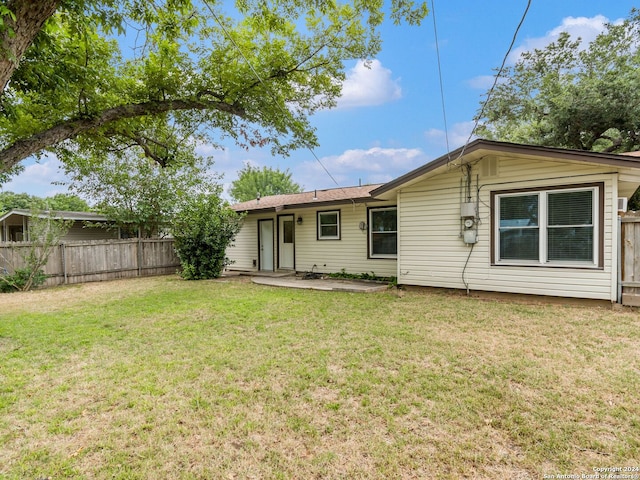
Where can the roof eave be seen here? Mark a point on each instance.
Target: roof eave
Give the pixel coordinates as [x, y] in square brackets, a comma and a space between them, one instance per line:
[57, 215]
[315, 203]
[492, 146]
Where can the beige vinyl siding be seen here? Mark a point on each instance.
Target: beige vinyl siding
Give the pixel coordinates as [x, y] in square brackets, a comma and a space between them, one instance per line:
[244, 249]
[328, 256]
[348, 253]
[433, 254]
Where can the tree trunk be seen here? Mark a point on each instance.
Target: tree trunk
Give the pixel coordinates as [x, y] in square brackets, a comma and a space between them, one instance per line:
[16, 36]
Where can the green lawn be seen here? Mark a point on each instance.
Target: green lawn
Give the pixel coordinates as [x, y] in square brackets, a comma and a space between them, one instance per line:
[161, 378]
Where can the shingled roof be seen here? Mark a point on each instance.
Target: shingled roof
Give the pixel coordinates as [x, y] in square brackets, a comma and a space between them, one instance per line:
[332, 196]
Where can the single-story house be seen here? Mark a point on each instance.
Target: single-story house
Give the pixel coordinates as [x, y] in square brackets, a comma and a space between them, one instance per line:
[14, 225]
[490, 216]
[322, 231]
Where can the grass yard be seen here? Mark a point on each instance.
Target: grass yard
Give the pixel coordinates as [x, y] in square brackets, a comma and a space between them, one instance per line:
[161, 378]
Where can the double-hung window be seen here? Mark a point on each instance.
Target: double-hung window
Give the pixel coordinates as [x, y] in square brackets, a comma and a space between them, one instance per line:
[559, 226]
[329, 225]
[383, 232]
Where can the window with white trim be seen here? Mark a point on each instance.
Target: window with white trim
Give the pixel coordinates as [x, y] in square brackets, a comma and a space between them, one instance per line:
[548, 227]
[329, 225]
[383, 232]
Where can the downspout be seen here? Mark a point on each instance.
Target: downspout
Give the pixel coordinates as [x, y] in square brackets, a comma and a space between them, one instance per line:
[399, 237]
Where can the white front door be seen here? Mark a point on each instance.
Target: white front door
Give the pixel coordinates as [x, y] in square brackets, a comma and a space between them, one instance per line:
[265, 241]
[285, 242]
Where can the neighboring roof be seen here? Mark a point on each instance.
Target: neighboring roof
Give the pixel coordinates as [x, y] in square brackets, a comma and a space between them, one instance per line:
[58, 215]
[479, 146]
[331, 196]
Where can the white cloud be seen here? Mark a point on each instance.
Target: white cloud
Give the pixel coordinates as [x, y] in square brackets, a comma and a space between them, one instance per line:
[578, 27]
[369, 85]
[458, 135]
[38, 178]
[375, 165]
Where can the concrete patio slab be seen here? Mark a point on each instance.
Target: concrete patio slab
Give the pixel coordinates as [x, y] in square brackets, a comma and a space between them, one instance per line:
[321, 284]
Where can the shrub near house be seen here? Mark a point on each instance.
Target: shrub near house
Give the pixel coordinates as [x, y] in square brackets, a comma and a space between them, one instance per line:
[203, 230]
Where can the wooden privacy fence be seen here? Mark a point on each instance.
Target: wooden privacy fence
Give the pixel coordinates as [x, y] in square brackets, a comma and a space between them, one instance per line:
[98, 260]
[630, 260]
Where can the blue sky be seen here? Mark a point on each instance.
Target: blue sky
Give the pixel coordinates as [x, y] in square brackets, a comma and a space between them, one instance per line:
[390, 119]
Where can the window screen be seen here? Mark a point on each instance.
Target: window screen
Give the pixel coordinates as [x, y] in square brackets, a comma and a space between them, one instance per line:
[570, 226]
[329, 225]
[547, 226]
[383, 232]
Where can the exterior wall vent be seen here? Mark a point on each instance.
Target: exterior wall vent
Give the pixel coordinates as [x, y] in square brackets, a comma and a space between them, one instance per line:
[489, 167]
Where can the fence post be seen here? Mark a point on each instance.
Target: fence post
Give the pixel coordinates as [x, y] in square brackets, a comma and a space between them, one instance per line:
[139, 256]
[63, 252]
[619, 259]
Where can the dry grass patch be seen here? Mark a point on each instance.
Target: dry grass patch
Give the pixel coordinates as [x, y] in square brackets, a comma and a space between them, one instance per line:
[161, 378]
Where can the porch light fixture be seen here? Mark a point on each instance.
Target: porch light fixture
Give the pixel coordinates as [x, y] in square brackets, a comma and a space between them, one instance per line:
[299, 221]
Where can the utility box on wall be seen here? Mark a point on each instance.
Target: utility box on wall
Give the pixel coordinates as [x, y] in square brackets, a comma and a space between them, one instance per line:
[468, 209]
[470, 236]
[468, 222]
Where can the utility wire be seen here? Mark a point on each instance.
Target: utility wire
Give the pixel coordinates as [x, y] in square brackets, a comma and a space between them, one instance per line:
[444, 110]
[273, 97]
[467, 174]
[495, 80]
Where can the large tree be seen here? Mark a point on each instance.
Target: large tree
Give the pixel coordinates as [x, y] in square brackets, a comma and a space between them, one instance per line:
[253, 73]
[136, 193]
[570, 95]
[253, 181]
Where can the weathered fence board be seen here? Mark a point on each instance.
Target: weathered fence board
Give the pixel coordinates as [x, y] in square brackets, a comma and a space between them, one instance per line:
[630, 275]
[98, 260]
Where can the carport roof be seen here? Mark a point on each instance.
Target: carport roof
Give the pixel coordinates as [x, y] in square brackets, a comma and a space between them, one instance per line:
[57, 215]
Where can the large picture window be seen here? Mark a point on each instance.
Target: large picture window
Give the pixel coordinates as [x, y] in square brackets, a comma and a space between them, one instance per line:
[383, 232]
[548, 227]
[329, 225]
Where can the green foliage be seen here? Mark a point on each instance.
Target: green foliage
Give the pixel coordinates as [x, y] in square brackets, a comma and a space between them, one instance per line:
[139, 194]
[22, 279]
[24, 201]
[194, 68]
[6, 13]
[364, 276]
[567, 96]
[45, 233]
[66, 202]
[265, 181]
[203, 229]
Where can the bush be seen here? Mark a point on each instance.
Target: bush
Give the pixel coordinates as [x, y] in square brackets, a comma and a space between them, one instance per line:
[18, 280]
[203, 229]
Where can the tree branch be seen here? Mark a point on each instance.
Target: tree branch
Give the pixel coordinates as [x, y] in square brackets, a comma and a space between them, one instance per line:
[142, 143]
[22, 149]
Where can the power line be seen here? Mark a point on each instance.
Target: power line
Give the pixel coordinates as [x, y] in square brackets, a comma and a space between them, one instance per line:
[444, 110]
[495, 80]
